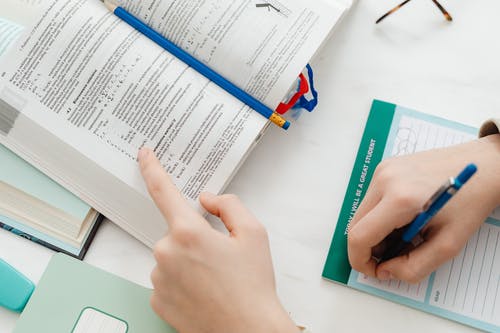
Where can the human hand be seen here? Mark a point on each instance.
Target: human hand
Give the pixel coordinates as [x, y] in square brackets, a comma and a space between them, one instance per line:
[398, 191]
[206, 281]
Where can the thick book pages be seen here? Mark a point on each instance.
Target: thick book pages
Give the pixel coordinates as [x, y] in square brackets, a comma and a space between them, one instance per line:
[75, 247]
[51, 206]
[81, 92]
[467, 288]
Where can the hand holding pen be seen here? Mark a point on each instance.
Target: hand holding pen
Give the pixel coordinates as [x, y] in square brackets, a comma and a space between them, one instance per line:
[401, 187]
[437, 202]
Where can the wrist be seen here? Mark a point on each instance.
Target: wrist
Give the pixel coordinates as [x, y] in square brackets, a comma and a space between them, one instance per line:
[271, 317]
[278, 321]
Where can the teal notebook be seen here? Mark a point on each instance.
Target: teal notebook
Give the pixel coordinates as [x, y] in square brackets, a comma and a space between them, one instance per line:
[466, 289]
[74, 297]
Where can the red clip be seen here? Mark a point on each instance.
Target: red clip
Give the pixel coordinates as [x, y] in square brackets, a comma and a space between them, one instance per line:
[303, 89]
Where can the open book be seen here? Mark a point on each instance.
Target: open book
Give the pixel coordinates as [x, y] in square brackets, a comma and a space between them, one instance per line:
[81, 92]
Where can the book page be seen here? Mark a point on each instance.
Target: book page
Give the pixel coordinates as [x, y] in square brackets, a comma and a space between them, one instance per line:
[261, 46]
[20, 12]
[109, 91]
[465, 289]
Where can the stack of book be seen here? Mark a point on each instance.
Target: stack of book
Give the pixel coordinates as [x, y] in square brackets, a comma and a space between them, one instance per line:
[35, 207]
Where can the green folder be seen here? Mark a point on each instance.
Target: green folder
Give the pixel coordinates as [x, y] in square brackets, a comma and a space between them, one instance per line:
[74, 297]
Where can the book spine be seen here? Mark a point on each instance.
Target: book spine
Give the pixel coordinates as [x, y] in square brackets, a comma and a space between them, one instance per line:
[370, 153]
[31, 238]
[90, 237]
[43, 243]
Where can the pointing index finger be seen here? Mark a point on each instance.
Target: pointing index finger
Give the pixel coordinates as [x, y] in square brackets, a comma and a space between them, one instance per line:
[163, 191]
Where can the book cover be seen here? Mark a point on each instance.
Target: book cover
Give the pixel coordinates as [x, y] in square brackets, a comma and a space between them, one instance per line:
[74, 297]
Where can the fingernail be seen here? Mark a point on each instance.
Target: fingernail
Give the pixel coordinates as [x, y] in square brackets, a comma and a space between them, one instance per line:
[143, 153]
[385, 276]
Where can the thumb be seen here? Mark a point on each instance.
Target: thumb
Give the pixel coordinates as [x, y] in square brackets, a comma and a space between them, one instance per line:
[235, 216]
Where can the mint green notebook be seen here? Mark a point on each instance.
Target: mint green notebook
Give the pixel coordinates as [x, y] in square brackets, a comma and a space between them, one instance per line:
[467, 288]
[74, 297]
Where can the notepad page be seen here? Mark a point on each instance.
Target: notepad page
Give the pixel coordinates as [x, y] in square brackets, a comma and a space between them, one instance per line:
[468, 287]
[415, 292]
[413, 135]
[470, 283]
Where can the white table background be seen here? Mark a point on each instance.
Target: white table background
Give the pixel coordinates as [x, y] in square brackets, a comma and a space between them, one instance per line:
[295, 182]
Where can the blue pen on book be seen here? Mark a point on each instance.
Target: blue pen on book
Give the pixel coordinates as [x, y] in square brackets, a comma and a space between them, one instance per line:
[197, 65]
[431, 208]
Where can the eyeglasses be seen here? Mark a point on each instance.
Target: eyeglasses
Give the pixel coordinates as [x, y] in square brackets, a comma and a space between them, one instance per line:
[441, 8]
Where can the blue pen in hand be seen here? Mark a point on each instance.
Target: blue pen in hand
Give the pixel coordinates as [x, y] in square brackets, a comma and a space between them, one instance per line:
[433, 206]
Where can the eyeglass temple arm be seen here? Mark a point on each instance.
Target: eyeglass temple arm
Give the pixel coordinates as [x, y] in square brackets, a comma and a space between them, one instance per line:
[441, 8]
[444, 11]
[392, 11]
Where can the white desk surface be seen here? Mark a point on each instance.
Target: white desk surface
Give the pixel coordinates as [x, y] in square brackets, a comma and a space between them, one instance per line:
[295, 182]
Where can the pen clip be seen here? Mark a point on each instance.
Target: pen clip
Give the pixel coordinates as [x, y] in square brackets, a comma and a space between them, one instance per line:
[448, 185]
